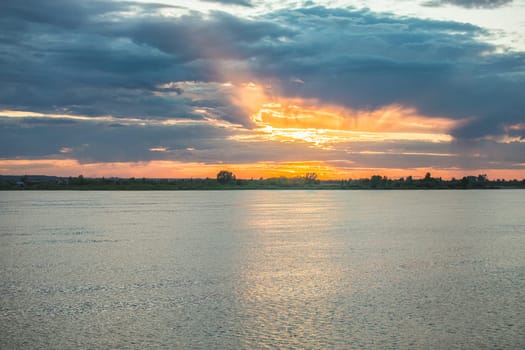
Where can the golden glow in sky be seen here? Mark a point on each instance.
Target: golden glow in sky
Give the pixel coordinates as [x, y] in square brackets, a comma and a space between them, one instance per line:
[324, 126]
[263, 88]
[174, 169]
[307, 123]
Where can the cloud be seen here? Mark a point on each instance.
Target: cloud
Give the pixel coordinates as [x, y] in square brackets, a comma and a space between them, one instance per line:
[468, 3]
[90, 141]
[245, 3]
[64, 66]
[130, 60]
[94, 141]
[221, 36]
[366, 60]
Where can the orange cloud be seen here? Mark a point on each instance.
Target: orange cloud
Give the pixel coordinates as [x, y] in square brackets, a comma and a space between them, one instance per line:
[295, 113]
[308, 120]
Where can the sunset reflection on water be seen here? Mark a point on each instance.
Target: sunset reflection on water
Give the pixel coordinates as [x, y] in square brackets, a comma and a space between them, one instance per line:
[262, 269]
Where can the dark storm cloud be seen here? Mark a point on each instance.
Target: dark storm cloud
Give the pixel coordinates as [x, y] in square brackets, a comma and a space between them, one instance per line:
[468, 3]
[88, 58]
[366, 60]
[246, 3]
[464, 154]
[193, 37]
[93, 141]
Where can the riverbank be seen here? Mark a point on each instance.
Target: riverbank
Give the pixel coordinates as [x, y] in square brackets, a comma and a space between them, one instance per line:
[40, 182]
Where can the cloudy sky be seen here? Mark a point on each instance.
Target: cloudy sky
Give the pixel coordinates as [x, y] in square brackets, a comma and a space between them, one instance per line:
[346, 89]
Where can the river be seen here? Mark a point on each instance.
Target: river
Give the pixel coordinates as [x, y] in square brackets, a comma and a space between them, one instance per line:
[262, 269]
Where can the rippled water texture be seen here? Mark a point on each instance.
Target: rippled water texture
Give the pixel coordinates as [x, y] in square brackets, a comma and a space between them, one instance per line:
[262, 269]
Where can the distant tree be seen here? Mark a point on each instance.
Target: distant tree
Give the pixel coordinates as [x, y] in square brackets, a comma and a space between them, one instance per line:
[224, 177]
[482, 178]
[311, 178]
[376, 181]
[428, 181]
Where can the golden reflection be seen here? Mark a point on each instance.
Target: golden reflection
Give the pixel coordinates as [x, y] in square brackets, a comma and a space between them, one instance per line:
[290, 269]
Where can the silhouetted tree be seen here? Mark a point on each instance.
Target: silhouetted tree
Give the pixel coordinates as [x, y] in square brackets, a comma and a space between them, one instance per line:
[311, 178]
[224, 177]
[482, 178]
[376, 181]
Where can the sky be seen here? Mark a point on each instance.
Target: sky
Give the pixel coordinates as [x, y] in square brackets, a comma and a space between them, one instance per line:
[345, 89]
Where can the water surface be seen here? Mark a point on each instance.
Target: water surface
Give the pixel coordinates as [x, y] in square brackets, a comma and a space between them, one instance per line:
[262, 269]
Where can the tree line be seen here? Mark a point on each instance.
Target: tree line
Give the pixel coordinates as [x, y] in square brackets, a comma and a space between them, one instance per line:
[226, 179]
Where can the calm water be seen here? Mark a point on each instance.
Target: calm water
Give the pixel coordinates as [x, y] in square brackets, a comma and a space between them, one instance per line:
[262, 269]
